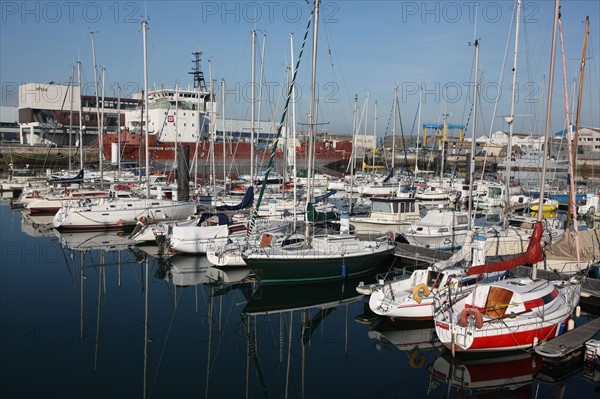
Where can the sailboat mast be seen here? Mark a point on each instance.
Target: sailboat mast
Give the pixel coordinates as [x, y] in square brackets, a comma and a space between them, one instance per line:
[312, 114]
[548, 108]
[253, 94]
[473, 134]
[80, 116]
[119, 131]
[101, 132]
[293, 153]
[394, 127]
[581, 74]
[224, 137]
[97, 101]
[511, 118]
[313, 97]
[418, 130]
[147, 136]
[374, 135]
[71, 86]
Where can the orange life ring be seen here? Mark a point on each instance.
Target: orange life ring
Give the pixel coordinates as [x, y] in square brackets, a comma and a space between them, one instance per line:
[416, 359]
[420, 287]
[473, 312]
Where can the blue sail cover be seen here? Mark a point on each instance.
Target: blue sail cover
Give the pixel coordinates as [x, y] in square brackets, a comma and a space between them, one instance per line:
[68, 180]
[389, 176]
[322, 197]
[246, 202]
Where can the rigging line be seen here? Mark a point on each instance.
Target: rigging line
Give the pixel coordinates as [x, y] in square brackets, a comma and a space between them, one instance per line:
[504, 58]
[335, 61]
[132, 54]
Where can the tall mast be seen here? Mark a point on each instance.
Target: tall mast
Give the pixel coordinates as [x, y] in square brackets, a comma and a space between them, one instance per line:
[374, 135]
[252, 95]
[581, 75]
[101, 132]
[473, 134]
[418, 131]
[293, 153]
[224, 136]
[175, 165]
[80, 116]
[312, 115]
[72, 84]
[119, 131]
[548, 108]
[394, 127]
[147, 134]
[97, 105]
[511, 118]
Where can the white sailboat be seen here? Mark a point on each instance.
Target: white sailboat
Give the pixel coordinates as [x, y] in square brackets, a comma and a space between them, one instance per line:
[117, 213]
[332, 256]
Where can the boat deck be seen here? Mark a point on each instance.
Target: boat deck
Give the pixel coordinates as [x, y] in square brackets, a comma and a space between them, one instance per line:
[569, 342]
[420, 254]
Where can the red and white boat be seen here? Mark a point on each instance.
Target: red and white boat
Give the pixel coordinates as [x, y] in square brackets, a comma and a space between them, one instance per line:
[510, 314]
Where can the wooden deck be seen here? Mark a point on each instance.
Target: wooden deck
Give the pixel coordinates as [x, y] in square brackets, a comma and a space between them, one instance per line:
[569, 342]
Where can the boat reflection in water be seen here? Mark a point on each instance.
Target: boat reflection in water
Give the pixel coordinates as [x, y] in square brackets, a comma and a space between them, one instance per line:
[90, 240]
[185, 271]
[508, 375]
[417, 337]
[36, 226]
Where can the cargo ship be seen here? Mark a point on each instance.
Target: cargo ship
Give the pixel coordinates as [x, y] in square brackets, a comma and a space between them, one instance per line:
[189, 118]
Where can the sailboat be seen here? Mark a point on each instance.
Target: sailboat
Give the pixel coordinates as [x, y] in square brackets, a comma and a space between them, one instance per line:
[116, 213]
[515, 313]
[418, 296]
[326, 257]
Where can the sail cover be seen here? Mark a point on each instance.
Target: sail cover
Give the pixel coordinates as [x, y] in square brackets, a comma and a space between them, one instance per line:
[533, 254]
[246, 202]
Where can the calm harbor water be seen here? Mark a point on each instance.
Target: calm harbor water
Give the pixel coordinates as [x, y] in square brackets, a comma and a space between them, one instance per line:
[83, 316]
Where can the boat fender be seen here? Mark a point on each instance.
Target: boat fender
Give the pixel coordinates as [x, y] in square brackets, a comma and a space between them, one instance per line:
[391, 236]
[416, 359]
[472, 312]
[418, 289]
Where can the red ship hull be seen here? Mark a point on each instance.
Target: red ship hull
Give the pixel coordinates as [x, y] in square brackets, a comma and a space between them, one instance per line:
[328, 154]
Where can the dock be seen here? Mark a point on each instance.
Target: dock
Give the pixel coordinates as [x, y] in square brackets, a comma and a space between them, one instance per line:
[420, 254]
[569, 342]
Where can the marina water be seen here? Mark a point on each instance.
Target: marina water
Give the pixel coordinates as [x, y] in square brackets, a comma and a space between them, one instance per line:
[85, 316]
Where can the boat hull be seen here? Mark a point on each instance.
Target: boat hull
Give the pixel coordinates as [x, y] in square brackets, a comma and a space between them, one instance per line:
[309, 266]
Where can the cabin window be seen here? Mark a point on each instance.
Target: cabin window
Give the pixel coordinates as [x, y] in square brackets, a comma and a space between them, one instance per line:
[380, 207]
[433, 279]
[443, 230]
[462, 219]
[550, 297]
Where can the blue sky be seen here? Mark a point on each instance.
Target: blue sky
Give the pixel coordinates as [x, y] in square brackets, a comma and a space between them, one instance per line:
[364, 46]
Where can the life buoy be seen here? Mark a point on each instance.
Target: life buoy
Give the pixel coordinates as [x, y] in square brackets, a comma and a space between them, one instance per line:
[416, 359]
[421, 287]
[472, 312]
